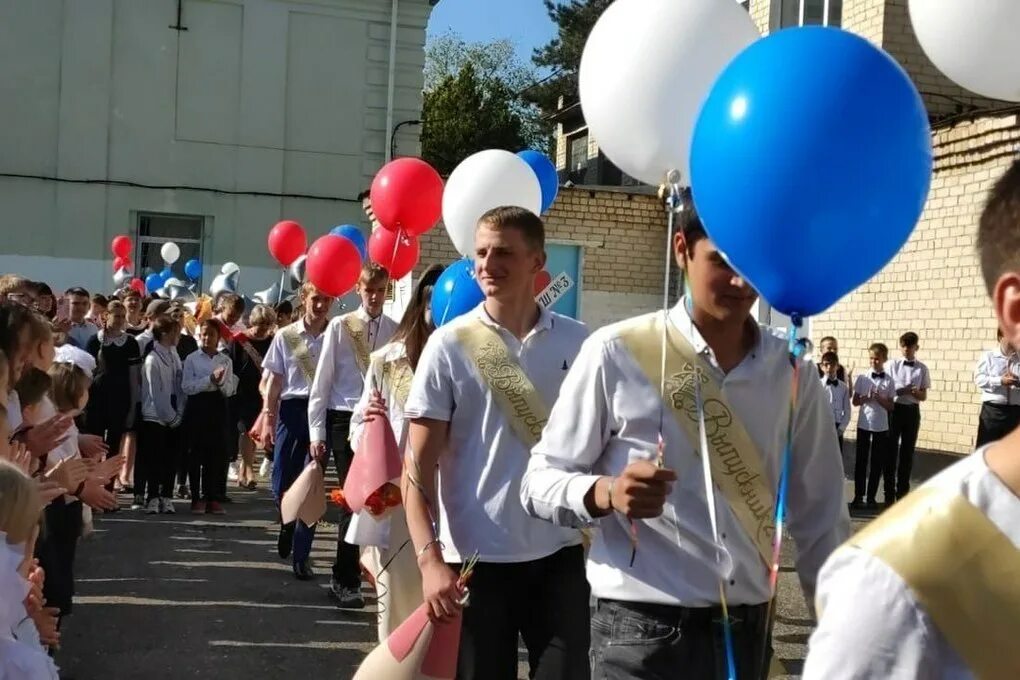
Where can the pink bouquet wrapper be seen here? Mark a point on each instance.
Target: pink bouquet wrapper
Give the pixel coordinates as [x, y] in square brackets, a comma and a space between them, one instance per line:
[306, 497]
[376, 462]
[419, 649]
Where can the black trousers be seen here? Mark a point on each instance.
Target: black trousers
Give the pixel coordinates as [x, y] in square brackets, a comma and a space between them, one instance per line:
[996, 421]
[663, 642]
[56, 549]
[347, 566]
[205, 423]
[156, 461]
[870, 462]
[905, 423]
[545, 601]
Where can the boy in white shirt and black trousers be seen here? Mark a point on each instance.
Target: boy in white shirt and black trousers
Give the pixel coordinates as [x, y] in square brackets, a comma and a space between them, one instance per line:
[209, 382]
[163, 405]
[477, 405]
[599, 462]
[837, 392]
[291, 362]
[996, 376]
[339, 382]
[874, 392]
[912, 382]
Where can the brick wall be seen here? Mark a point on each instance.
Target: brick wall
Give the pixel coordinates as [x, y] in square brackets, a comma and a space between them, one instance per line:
[934, 286]
[622, 236]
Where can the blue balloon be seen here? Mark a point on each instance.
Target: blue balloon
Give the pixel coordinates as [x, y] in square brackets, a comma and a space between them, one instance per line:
[354, 235]
[546, 173]
[456, 292]
[810, 165]
[153, 282]
[193, 269]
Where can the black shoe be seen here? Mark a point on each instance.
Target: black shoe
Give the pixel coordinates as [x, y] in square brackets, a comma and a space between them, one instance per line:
[856, 504]
[303, 571]
[285, 541]
[872, 504]
[183, 492]
[344, 597]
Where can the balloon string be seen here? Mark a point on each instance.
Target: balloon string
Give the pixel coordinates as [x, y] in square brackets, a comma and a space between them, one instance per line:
[396, 246]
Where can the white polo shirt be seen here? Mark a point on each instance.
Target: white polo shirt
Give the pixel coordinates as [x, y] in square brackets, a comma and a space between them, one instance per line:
[872, 625]
[906, 373]
[279, 360]
[609, 416]
[480, 474]
[873, 417]
[338, 380]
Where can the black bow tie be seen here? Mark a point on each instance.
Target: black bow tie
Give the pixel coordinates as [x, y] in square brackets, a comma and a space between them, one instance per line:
[909, 363]
[878, 376]
[832, 382]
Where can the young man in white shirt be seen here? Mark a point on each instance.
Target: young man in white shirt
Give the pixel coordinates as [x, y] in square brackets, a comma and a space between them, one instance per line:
[874, 392]
[912, 382]
[291, 362]
[837, 392]
[932, 588]
[339, 382]
[478, 401]
[618, 455]
[996, 375]
[82, 330]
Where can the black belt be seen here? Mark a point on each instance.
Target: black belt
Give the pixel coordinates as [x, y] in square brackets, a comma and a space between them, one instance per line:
[749, 615]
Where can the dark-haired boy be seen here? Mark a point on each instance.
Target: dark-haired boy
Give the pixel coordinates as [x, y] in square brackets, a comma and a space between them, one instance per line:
[874, 394]
[838, 394]
[912, 381]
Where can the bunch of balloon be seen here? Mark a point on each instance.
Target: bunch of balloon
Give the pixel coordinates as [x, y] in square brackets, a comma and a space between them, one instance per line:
[287, 244]
[122, 264]
[227, 280]
[407, 199]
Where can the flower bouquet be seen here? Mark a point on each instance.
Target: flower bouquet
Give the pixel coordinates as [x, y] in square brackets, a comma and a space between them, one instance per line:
[376, 465]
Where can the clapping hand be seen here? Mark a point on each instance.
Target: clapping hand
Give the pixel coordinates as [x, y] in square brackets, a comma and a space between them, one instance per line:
[218, 375]
[92, 446]
[97, 497]
[105, 471]
[43, 438]
[49, 491]
[68, 473]
[18, 454]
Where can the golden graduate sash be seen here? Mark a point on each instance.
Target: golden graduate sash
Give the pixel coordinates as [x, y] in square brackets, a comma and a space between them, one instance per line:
[299, 350]
[517, 397]
[397, 374]
[358, 333]
[736, 464]
[962, 570]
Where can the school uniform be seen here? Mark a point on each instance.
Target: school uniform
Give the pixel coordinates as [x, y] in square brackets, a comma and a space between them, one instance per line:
[339, 382]
[905, 422]
[657, 608]
[1000, 404]
[928, 590]
[163, 404]
[529, 579]
[838, 395]
[872, 437]
[293, 355]
[82, 333]
[840, 372]
[205, 420]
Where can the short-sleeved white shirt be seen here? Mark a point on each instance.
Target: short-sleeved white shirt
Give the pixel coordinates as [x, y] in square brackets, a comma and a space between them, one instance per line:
[280, 360]
[480, 473]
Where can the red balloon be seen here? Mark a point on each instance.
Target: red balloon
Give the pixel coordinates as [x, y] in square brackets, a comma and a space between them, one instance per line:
[407, 194]
[542, 280]
[333, 265]
[138, 285]
[121, 246]
[122, 263]
[287, 242]
[396, 253]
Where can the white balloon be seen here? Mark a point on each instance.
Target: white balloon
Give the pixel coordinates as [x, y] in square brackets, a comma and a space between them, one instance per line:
[647, 68]
[170, 252]
[975, 43]
[121, 277]
[483, 181]
[229, 268]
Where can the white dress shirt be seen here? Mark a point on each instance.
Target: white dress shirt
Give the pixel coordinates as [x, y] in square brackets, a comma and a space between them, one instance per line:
[872, 626]
[873, 417]
[198, 370]
[338, 381]
[280, 361]
[609, 416]
[839, 402]
[162, 396]
[988, 377]
[905, 375]
[144, 339]
[480, 472]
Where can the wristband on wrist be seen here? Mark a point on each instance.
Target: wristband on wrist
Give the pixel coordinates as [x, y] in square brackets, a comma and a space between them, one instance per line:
[609, 492]
[425, 548]
[77, 492]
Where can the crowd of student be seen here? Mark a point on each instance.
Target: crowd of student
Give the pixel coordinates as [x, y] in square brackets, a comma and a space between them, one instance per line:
[519, 431]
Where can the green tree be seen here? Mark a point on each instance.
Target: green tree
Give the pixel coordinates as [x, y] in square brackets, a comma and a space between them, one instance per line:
[562, 54]
[473, 101]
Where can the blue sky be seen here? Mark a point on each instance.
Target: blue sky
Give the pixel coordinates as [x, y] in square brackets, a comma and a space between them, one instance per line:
[523, 21]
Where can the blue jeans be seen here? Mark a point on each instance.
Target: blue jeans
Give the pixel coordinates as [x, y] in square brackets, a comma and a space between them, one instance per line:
[290, 455]
[637, 641]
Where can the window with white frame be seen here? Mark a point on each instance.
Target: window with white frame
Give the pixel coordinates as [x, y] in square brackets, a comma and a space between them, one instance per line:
[155, 229]
[810, 13]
